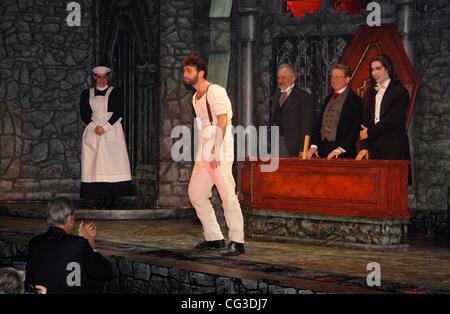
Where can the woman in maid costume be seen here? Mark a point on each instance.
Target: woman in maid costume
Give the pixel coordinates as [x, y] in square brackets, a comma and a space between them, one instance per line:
[105, 167]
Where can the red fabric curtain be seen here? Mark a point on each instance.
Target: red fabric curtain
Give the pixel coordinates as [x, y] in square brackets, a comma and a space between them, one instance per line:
[301, 7]
[351, 7]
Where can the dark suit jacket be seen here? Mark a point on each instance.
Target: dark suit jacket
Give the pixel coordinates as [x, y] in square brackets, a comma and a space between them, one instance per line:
[348, 128]
[388, 139]
[49, 255]
[297, 118]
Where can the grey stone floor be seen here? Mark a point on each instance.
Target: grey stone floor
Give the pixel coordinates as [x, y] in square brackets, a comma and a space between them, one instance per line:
[425, 264]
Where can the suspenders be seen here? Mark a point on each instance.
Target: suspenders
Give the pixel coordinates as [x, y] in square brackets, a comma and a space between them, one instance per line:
[208, 107]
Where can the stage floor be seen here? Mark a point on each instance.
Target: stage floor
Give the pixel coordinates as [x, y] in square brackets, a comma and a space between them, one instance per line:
[424, 267]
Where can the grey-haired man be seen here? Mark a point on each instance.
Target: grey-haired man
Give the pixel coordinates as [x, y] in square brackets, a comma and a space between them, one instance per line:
[66, 263]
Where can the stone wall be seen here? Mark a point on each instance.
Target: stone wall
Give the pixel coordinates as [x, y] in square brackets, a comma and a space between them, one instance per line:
[133, 277]
[44, 66]
[432, 110]
[177, 40]
[354, 232]
[140, 278]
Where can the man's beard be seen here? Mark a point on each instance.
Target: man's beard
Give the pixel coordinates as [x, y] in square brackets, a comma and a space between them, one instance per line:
[191, 82]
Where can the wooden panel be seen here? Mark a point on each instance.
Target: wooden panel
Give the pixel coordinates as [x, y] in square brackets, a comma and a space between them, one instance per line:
[396, 198]
[309, 183]
[374, 188]
[245, 182]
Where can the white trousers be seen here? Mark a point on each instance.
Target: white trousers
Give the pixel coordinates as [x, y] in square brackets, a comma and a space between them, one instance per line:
[202, 180]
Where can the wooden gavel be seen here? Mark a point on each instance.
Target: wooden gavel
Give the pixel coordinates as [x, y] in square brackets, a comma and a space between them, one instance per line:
[306, 146]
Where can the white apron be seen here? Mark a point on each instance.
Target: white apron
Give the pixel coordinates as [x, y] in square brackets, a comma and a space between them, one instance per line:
[104, 158]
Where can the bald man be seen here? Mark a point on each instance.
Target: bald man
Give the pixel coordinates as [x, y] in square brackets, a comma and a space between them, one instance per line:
[293, 112]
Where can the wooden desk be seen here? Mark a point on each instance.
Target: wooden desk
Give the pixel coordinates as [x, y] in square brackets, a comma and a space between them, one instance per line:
[334, 196]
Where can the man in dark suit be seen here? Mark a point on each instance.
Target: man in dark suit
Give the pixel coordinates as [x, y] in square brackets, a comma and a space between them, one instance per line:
[384, 134]
[337, 129]
[65, 263]
[293, 112]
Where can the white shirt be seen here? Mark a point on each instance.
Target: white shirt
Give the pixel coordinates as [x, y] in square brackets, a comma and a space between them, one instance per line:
[220, 104]
[379, 98]
[342, 90]
[288, 90]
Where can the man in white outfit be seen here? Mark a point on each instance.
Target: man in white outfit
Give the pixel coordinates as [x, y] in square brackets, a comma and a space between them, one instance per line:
[214, 161]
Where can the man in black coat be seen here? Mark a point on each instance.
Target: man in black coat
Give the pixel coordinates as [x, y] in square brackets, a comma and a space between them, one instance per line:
[293, 112]
[384, 134]
[337, 129]
[65, 263]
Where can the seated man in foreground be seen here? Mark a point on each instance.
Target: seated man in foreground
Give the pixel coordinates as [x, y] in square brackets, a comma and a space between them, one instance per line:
[65, 263]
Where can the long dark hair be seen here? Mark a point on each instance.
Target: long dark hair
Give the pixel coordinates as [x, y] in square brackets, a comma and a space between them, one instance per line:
[388, 65]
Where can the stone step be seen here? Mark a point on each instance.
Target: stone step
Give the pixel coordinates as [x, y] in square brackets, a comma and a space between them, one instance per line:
[37, 210]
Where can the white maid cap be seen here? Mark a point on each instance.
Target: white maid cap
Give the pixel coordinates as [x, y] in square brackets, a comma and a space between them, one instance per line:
[101, 70]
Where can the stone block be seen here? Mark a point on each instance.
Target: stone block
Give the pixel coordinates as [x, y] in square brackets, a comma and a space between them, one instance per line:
[141, 272]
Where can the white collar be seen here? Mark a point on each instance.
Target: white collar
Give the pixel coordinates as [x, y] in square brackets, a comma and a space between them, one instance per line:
[384, 86]
[289, 89]
[101, 88]
[341, 91]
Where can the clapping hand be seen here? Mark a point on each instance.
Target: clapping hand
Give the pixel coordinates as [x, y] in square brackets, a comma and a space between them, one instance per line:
[88, 231]
[40, 289]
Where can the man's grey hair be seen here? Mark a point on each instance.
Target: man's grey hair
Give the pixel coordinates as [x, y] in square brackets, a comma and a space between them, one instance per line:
[288, 67]
[58, 210]
[10, 281]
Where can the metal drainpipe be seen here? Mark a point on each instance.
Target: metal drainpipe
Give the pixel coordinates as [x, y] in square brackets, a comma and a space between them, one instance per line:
[406, 28]
[248, 26]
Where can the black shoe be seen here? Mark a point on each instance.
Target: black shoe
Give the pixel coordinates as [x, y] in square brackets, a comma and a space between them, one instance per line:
[210, 245]
[234, 249]
[109, 203]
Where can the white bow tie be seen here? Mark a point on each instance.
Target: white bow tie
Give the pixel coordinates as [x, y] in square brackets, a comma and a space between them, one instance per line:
[379, 87]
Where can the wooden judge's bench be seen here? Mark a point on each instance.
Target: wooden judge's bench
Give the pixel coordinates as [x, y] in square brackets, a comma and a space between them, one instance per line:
[334, 202]
[337, 202]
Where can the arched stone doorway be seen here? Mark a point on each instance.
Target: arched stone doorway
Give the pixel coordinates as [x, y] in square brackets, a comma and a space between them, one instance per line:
[127, 39]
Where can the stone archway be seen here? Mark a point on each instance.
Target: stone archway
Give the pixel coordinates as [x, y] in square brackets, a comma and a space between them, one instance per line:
[127, 33]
